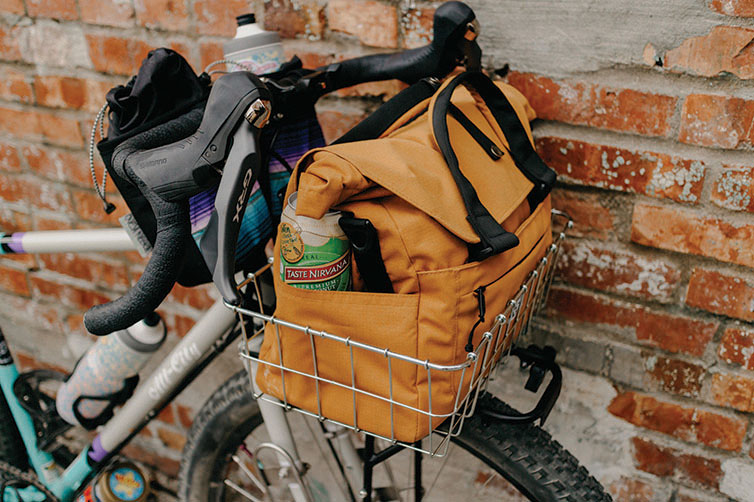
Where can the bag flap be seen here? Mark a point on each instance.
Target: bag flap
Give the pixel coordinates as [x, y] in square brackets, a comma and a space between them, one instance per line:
[408, 163]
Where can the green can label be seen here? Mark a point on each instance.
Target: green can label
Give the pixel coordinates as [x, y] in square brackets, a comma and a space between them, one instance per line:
[325, 267]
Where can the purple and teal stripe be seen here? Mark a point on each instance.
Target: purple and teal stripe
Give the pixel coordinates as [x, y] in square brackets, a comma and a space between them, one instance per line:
[12, 243]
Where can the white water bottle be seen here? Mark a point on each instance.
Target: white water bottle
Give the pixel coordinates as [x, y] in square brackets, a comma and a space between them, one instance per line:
[257, 49]
[106, 368]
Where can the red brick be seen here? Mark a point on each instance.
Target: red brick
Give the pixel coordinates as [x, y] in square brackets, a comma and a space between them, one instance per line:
[666, 331]
[734, 189]
[71, 92]
[602, 266]
[166, 415]
[41, 194]
[741, 8]
[35, 126]
[118, 55]
[61, 165]
[583, 103]
[43, 222]
[692, 233]
[172, 439]
[737, 347]
[217, 17]
[107, 12]
[61, 130]
[20, 123]
[196, 297]
[82, 267]
[374, 23]
[28, 362]
[209, 52]
[14, 280]
[163, 464]
[669, 462]
[336, 123]
[631, 490]
[418, 25]
[733, 391]
[721, 293]
[675, 376]
[648, 173]
[590, 217]
[9, 160]
[688, 424]
[89, 207]
[15, 87]
[71, 296]
[162, 14]
[177, 324]
[718, 121]
[58, 9]
[9, 50]
[185, 415]
[12, 6]
[725, 49]
[290, 19]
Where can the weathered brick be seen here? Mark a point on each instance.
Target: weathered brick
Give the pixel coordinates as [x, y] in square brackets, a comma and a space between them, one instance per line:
[185, 415]
[164, 464]
[14, 281]
[669, 462]
[725, 49]
[162, 14]
[374, 23]
[335, 123]
[659, 329]
[693, 233]
[648, 173]
[40, 193]
[196, 297]
[35, 126]
[688, 424]
[733, 391]
[172, 439]
[718, 121]
[734, 189]
[217, 17]
[210, 52]
[631, 490]
[9, 50]
[721, 293]
[737, 347]
[602, 266]
[9, 160]
[12, 6]
[15, 86]
[71, 296]
[740, 8]
[107, 12]
[166, 415]
[89, 207]
[94, 271]
[71, 92]
[674, 375]
[418, 24]
[590, 217]
[58, 9]
[290, 19]
[61, 165]
[112, 54]
[583, 103]
[28, 362]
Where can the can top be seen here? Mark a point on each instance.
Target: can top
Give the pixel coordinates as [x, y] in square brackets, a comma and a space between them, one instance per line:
[124, 482]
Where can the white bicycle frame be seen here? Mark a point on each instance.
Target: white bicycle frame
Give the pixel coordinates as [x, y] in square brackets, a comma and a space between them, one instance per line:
[151, 395]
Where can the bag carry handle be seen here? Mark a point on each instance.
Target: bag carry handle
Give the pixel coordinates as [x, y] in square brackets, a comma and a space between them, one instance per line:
[494, 239]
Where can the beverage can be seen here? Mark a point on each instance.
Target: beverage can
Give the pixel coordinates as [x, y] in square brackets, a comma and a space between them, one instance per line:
[314, 254]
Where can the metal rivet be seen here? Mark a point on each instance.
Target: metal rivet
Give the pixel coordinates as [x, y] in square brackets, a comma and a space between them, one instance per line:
[496, 152]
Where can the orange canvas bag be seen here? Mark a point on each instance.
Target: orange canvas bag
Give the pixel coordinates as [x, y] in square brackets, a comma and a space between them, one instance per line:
[461, 205]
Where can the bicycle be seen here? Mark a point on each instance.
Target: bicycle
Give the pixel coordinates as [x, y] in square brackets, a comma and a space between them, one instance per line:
[243, 445]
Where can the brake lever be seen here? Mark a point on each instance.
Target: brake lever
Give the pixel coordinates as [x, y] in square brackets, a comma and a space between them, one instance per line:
[242, 167]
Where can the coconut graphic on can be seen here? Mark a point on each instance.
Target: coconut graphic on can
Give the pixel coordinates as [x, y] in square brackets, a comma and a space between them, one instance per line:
[314, 254]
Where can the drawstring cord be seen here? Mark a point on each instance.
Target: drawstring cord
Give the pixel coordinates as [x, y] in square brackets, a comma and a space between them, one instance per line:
[99, 121]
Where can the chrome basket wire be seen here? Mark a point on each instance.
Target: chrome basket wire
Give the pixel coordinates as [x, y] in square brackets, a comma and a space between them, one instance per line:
[494, 348]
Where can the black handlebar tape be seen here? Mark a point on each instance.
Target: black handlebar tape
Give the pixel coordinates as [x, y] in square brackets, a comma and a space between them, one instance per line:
[172, 237]
[434, 60]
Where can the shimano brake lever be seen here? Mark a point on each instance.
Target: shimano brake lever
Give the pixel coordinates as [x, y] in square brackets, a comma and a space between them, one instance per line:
[241, 170]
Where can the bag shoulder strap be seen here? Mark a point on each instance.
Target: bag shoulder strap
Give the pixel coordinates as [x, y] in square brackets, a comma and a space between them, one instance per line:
[493, 238]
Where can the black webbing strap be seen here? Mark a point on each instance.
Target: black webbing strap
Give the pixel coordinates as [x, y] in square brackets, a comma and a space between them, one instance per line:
[493, 237]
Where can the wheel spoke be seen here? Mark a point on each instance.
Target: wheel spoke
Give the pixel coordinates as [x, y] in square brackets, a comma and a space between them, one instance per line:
[437, 476]
[247, 471]
[241, 491]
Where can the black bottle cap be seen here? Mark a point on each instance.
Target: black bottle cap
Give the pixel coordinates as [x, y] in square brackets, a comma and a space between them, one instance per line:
[152, 319]
[246, 19]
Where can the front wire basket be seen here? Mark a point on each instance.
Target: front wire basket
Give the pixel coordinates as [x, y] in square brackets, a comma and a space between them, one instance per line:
[495, 346]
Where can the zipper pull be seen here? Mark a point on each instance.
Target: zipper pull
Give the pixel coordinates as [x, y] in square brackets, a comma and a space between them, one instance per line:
[479, 292]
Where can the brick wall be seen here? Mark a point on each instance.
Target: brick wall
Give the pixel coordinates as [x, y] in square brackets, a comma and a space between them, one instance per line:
[647, 113]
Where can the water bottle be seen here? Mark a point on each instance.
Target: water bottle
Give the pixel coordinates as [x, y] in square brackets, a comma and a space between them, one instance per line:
[108, 368]
[259, 50]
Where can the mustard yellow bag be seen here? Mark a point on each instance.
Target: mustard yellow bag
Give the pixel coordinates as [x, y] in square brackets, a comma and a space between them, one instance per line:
[460, 201]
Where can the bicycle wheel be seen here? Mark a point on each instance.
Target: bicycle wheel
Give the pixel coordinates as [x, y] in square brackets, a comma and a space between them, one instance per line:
[12, 449]
[488, 461]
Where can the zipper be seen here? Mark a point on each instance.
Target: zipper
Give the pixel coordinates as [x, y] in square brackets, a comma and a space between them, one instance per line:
[482, 305]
